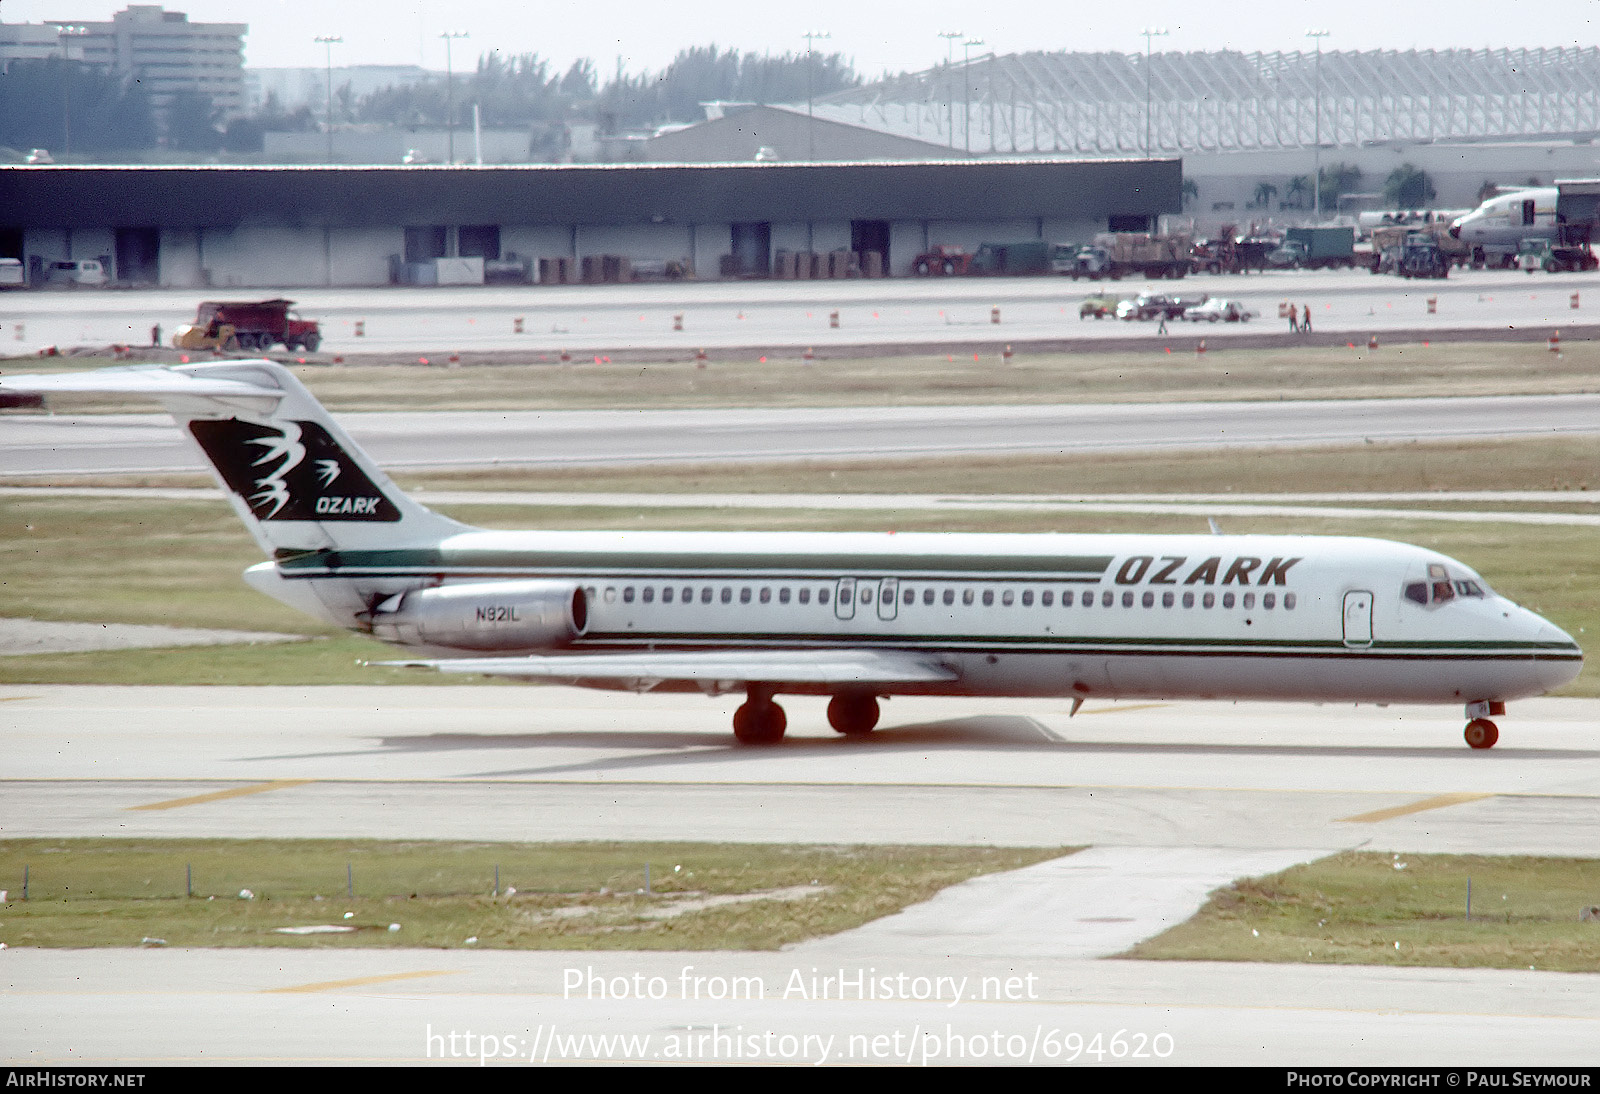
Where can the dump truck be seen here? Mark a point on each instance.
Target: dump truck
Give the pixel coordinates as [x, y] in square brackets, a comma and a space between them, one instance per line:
[1332, 247]
[248, 327]
[1116, 255]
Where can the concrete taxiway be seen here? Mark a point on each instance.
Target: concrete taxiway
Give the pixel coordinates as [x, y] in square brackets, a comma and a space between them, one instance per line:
[1176, 799]
[43, 444]
[850, 316]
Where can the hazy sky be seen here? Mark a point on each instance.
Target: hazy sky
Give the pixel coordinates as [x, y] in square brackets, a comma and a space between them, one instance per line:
[877, 35]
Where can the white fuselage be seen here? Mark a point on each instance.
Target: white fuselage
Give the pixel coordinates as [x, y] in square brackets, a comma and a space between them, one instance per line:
[1499, 225]
[1284, 617]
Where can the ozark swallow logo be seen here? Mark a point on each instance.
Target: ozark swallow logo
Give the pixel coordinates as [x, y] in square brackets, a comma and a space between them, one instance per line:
[286, 452]
[286, 470]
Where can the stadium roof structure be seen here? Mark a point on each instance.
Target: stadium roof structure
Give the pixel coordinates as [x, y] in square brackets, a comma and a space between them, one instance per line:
[1092, 104]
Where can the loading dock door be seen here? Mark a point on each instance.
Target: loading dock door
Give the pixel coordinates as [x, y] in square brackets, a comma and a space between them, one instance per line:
[752, 249]
[867, 237]
[138, 256]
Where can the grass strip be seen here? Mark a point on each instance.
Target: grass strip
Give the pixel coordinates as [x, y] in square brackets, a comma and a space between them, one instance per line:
[568, 896]
[1366, 908]
[1159, 370]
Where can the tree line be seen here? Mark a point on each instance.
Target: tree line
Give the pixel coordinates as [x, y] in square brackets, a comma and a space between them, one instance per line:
[67, 106]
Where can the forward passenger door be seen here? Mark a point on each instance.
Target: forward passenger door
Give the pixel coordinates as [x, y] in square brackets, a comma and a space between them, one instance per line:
[1358, 619]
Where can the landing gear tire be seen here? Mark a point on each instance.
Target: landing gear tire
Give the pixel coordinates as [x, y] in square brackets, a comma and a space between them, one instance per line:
[759, 722]
[1482, 733]
[853, 715]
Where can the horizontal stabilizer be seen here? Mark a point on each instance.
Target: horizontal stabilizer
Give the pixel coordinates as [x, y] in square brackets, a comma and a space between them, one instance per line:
[296, 479]
[155, 382]
[862, 667]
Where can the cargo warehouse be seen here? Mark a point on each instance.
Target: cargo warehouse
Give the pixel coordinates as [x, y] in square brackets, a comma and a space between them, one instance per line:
[220, 226]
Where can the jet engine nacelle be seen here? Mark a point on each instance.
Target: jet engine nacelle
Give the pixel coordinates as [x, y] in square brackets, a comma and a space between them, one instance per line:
[485, 615]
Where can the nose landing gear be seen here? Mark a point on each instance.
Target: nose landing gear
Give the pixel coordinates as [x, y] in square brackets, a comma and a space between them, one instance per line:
[1482, 733]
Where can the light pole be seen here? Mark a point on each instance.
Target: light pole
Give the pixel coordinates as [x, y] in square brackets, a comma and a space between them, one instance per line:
[811, 141]
[966, 89]
[1149, 33]
[67, 34]
[329, 41]
[1316, 155]
[450, 91]
[950, 37]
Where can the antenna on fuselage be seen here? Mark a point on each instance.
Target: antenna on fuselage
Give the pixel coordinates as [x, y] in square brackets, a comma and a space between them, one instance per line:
[1214, 529]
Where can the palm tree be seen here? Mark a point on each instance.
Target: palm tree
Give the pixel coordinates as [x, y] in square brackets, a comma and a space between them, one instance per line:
[1191, 191]
[1296, 193]
[1408, 187]
[1265, 192]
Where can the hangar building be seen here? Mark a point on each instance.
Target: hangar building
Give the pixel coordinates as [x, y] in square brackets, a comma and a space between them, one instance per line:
[223, 226]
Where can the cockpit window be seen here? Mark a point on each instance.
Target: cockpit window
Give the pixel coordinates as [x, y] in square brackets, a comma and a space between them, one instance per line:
[1441, 589]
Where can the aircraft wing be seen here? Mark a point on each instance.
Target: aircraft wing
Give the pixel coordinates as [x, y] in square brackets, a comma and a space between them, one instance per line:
[800, 666]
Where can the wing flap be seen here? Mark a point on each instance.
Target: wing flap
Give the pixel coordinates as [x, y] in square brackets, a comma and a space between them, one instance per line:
[846, 666]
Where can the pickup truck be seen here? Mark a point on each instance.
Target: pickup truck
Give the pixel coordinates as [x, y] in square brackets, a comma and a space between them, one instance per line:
[1219, 310]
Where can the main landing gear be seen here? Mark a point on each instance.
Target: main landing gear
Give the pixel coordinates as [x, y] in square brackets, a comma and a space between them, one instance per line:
[1482, 733]
[759, 721]
[854, 715]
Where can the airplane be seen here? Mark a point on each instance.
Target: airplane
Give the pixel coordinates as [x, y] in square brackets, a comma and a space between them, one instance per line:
[1495, 230]
[854, 616]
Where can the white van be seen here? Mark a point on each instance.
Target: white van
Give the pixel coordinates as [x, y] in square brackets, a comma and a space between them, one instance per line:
[12, 275]
[86, 271]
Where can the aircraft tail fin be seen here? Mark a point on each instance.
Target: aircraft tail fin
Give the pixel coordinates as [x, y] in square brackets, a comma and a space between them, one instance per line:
[294, 476]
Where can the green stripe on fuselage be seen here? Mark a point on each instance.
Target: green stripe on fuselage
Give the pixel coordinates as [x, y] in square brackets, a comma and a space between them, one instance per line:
[671, 564]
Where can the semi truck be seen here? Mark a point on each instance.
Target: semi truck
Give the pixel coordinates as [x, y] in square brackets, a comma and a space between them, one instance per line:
[248, 327]
[1116, 255]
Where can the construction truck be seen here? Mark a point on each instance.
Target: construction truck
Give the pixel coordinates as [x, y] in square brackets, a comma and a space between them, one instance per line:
[1116, 255]
[1420, 256]
[1332, 247]
[248, 327]
[1032, 256]
[1394, 241]
[945, 259]
[1229, 252]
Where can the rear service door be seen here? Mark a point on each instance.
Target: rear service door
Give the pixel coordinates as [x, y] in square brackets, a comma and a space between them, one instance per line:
[888, 594]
